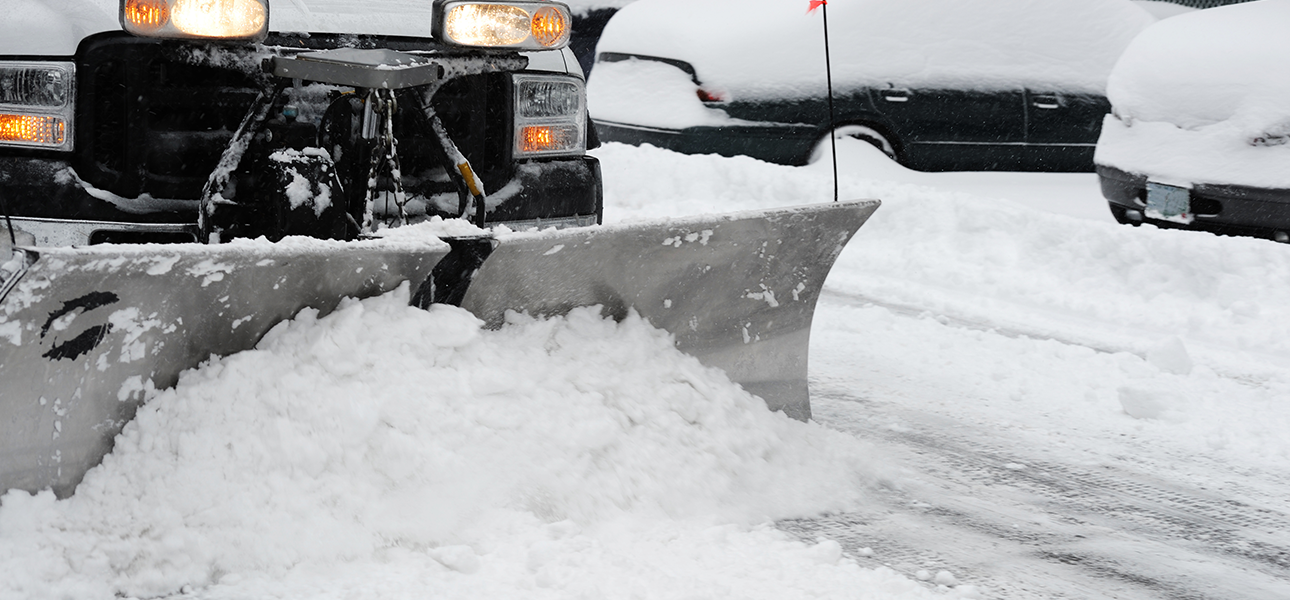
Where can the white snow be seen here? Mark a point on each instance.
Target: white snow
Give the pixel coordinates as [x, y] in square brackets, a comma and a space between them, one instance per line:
[1163, 9]
[388, 452]
[1201, 98]
[586, 6]
[53, 27]
[564, 457]
[646, 92]
[773, 48]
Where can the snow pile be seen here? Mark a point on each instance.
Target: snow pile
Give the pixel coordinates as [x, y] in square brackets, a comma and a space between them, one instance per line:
[568, 456]
[772, 48]
[1201, 98]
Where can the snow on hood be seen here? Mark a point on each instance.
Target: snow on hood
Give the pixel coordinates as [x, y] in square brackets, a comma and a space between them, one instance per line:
[1207, 66]
[1202, 98]
[773, 48]
[53, 27]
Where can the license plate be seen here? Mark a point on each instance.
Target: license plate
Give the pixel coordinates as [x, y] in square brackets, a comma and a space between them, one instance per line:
[1168, 202]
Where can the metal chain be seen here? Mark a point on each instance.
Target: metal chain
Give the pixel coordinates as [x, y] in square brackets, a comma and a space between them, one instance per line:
[385, 155]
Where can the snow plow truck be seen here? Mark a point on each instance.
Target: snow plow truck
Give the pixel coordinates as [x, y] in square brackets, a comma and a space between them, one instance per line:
[178, 176]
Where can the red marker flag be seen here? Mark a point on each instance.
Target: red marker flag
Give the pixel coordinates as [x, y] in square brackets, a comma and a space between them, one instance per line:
[816, 4]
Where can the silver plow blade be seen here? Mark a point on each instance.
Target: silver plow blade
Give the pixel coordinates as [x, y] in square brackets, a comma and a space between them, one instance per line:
[737, 291]
[84, 333]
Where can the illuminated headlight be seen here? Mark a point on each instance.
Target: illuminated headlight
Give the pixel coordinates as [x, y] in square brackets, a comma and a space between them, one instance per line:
[550, 116]
[197, 19]
[36, 105]
[518, 25]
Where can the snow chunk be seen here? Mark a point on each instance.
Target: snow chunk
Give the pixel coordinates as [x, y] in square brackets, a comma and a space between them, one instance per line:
[1152, 401]
[1170, 356]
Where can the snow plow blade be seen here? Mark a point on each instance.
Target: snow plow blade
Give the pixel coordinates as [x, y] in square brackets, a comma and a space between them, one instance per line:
[86, 334]
[737, 291]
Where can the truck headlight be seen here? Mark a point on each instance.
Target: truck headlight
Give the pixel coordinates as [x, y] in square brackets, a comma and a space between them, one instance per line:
[516, 25]
[36, 104]
[550, 116]
[197, 19]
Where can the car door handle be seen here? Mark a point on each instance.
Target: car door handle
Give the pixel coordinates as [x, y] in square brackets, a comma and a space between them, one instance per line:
[895, 95]
[1046, 102]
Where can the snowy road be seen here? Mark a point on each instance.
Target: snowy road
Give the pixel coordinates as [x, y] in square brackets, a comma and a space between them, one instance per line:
[1008, 516]
[1079, 409]
[1017, 526]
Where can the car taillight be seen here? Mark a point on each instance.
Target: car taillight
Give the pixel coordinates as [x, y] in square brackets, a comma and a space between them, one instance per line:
[197, 19]
[36, 104]
[542, 25]
[550, 115]
[711, 96]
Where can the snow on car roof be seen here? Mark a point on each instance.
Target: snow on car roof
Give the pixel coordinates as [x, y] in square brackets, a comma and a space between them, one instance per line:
[774, 48]
[1207, 66]
[1201, 98]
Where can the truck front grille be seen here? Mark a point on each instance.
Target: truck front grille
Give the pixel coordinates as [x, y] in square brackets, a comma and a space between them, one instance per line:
[154, 117]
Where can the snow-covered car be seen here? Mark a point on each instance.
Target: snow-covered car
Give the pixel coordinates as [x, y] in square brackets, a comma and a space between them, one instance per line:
[176, 120]
[936, 84]
[589, 20]
[1200, 134]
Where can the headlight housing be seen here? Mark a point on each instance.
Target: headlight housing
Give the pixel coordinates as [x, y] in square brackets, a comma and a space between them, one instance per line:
[197, 19]
[37, 104]
[533, 25]
[550, 116]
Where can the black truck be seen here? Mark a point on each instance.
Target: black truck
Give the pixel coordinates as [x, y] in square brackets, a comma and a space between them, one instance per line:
[152, 121]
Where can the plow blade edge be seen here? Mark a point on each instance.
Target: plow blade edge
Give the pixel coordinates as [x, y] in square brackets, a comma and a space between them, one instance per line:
[737, 291]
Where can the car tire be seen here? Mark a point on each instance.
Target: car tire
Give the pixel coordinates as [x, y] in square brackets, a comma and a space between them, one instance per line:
[860, 132]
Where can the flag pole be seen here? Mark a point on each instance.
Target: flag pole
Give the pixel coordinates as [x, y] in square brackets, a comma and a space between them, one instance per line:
[828, 77]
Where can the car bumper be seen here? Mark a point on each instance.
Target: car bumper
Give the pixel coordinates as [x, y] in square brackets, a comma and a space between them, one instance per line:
[771, 142]
[1220, 208]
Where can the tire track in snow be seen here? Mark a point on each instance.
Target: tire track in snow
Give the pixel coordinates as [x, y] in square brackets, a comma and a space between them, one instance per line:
[1103, 340]
[1020, 527]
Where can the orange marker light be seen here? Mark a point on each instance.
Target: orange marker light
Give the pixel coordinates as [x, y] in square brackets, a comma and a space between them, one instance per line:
[147, 15]
[548, 138]
[32, 129]
[550, 26]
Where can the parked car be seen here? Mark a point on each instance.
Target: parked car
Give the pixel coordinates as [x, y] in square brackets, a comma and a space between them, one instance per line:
[1200, 135]
[936, 84]
[589, 20]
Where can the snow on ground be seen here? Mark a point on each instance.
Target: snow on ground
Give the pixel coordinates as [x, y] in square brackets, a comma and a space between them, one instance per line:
[388, 452]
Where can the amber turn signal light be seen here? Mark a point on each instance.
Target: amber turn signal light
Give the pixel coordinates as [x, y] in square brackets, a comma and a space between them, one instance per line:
[38, 130]
[538, 139]
[146, 15]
